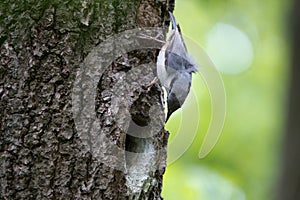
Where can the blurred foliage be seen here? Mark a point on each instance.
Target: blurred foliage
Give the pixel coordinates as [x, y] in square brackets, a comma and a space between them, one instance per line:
[245, 162]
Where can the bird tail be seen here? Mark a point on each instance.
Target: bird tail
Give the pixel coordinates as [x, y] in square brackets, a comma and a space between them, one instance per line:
[174, 23]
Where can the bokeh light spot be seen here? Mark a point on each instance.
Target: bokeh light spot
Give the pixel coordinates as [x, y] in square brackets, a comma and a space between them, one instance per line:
[230, 48]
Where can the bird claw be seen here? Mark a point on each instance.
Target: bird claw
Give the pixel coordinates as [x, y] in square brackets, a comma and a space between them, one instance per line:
[150, 85]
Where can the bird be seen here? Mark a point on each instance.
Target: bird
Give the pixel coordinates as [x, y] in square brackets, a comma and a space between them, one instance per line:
[174, 69]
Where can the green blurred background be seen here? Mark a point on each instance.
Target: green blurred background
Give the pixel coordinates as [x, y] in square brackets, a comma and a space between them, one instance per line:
[247, 42]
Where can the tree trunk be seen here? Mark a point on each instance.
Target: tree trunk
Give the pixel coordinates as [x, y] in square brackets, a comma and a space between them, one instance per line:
[289, 187]
[59, 137]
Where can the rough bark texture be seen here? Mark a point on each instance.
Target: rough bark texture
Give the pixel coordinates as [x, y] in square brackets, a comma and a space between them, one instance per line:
[42, 46]
[289, 187]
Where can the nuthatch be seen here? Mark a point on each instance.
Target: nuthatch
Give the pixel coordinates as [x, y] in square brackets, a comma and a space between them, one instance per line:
[175, 68]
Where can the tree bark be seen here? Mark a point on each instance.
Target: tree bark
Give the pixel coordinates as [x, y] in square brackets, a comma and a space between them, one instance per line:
[45, 153]
[289, 186]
